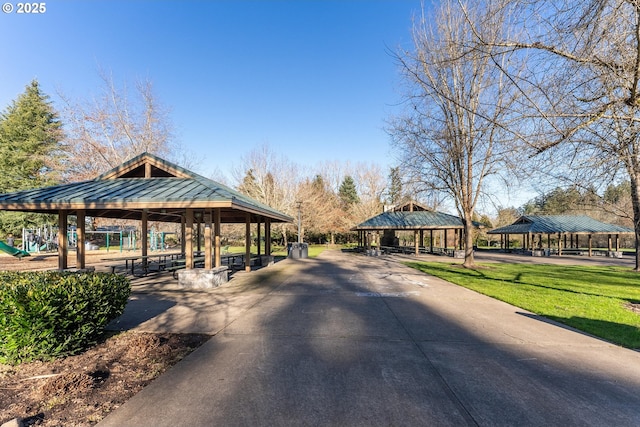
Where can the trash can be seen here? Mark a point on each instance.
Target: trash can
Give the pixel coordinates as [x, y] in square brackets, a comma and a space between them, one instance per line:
[298, 250]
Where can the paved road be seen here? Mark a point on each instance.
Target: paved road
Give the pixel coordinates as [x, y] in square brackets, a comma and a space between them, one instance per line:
[347, 340]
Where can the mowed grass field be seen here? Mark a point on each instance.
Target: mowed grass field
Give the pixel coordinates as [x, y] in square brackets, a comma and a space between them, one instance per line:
[596, 300]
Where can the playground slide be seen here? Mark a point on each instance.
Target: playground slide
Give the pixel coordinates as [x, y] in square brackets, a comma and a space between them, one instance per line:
[12, 251]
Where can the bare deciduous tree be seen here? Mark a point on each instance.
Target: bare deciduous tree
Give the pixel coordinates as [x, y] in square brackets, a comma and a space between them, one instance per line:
[114, 127]
[581, 86]
[454, 132]
[269, 179]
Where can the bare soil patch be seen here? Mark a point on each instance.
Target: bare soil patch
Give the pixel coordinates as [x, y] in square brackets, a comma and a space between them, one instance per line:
[633, 306]
[81, 390]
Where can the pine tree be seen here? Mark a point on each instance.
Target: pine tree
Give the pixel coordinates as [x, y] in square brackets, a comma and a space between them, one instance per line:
[30, 152]
[30, 142]
[347, 192]
[395, 186]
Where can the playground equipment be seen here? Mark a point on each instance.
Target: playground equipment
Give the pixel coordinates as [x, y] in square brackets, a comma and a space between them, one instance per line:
[40, 239]
[12, 250]
[45, 239]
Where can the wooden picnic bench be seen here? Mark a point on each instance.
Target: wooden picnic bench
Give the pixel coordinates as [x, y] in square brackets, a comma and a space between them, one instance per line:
[163, 259]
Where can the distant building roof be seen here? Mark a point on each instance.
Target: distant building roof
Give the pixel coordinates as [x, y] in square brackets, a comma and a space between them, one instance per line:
[576, 224]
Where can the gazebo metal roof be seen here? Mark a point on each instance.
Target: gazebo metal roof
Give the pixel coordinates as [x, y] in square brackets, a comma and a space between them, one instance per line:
[576, 224]
[417, 220]
[145, 182]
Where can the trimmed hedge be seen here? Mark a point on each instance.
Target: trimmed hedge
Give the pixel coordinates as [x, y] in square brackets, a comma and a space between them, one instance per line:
[45, 315]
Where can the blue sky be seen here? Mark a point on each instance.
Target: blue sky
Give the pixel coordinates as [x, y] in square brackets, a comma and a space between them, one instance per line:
[314, 80]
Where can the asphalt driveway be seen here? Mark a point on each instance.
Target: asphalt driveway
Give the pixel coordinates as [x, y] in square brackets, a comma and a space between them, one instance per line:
[349, 340]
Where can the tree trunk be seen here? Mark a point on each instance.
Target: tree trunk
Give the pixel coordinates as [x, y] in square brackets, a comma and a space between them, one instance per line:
[469, 261]
[635, 201]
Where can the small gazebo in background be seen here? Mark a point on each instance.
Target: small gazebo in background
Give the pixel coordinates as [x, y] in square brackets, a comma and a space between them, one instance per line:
[148, 188]
[567, 228]
[415, 218]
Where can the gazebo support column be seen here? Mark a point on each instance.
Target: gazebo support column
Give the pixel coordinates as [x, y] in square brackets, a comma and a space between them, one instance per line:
[144, 241]
[247, 242]
[560, 244]
[189, 240]
[183, 235]
[198, 220]
[446, 240]
[208, 244]
[431, 240]
[258, 226]
[590, 245]
[617, 243]
[416, 242]
[81, 248]
[216, 233]
[267, 237]
[63, 242]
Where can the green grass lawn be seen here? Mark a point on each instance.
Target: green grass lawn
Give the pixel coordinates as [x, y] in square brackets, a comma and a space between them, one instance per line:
[591, 299]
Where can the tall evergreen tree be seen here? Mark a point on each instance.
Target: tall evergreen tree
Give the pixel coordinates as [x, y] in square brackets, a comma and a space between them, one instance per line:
[348, 193]
[30, 151]
[30, 142]
[395, 186]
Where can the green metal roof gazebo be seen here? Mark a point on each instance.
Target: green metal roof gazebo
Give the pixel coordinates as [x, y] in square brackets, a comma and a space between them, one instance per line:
[414, 217]
[146, 188]
[562, 225]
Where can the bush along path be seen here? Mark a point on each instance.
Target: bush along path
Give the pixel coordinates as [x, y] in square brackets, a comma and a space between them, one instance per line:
[57, 365]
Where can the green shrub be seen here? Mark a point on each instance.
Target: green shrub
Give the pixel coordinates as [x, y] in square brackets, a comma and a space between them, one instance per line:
[45, 315]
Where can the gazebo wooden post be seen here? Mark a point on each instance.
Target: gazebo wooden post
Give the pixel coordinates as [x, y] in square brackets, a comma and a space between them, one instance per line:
[258, 225]
[80, 248]
[216, 233]
[267, 236]
[609, 242]
[189, 239]
[446, 240]
[144, 241]
[590, 246]
[565, 241]
[617, 243]
[416, 243]
[247, 242]
[560, 244]
[183, 234]
[63, 242]
[577, 241]
[431, 240]
[208, 244]
[198, 220]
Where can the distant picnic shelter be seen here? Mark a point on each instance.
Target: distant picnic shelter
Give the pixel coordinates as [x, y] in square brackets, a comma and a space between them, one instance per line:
[412, 216]
[148, 188]
[567, 229]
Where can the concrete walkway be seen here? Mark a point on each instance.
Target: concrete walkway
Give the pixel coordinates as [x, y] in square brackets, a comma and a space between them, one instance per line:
[347, 340]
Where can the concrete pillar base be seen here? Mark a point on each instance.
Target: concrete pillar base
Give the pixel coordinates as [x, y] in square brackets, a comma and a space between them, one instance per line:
[199, 278]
